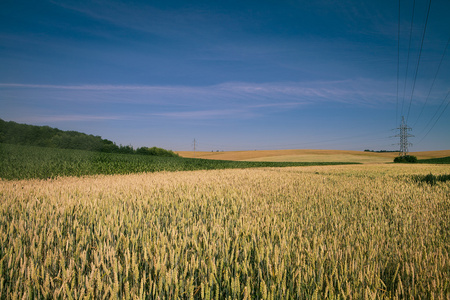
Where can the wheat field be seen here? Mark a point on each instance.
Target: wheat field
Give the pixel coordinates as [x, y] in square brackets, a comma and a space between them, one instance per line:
[311, 155]
[323, 232]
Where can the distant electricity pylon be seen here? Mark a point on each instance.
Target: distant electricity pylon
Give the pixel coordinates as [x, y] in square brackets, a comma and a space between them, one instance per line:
[194, 148]
[404, 137]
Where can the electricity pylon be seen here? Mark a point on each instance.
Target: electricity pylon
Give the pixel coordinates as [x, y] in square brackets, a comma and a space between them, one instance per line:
[404, 137]
[194, 148]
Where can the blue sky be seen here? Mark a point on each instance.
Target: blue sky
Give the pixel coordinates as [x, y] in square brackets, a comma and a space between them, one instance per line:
[234, 75]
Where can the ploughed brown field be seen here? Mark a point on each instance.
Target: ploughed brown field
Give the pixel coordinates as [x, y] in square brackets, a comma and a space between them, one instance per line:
[309, 155]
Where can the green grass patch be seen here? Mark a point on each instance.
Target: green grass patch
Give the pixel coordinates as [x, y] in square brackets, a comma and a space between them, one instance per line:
[432, 179]
[441, 160]
[26, 162]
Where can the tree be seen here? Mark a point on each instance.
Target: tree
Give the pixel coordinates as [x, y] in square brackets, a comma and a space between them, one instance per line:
[405, 159]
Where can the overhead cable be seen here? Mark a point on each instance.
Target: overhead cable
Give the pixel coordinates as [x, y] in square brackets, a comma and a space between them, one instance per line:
[432, 84]
[409, 50]
[442, 112]
[398, 59]
[418, 60]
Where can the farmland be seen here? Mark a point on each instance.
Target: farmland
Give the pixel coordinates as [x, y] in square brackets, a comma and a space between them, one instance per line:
[27, 162]
[349, 232]
[312, 155]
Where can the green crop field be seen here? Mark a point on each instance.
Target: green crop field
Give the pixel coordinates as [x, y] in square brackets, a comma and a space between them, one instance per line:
[441, 160]
[26, 162]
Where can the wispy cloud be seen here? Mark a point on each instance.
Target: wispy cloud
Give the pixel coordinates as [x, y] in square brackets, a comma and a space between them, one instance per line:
[357, 92]
[86, 87]
[175, 23]
[234, 100]
[43, 119]
[205, 114]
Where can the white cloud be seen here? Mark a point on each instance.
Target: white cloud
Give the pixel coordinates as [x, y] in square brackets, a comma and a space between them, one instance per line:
[357, 92]
[53, 103]
[38, 119]
[204, 114]
[175, 23]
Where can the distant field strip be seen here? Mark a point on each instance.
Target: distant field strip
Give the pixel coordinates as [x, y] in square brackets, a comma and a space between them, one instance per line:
[321, 232]
[304, 155]
[325, 157]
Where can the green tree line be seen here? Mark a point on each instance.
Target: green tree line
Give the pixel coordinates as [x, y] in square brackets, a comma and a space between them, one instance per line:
[45, 136]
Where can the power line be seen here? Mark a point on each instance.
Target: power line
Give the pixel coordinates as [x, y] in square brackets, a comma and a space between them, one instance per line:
[434, 79]
[442, 112]
[409, 50]
[398, 59]
[418, 60]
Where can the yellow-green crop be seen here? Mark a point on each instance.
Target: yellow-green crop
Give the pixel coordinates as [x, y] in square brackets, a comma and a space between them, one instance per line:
[337, 232]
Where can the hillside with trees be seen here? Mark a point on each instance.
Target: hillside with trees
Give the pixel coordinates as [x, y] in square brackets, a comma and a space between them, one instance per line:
[45, 136]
